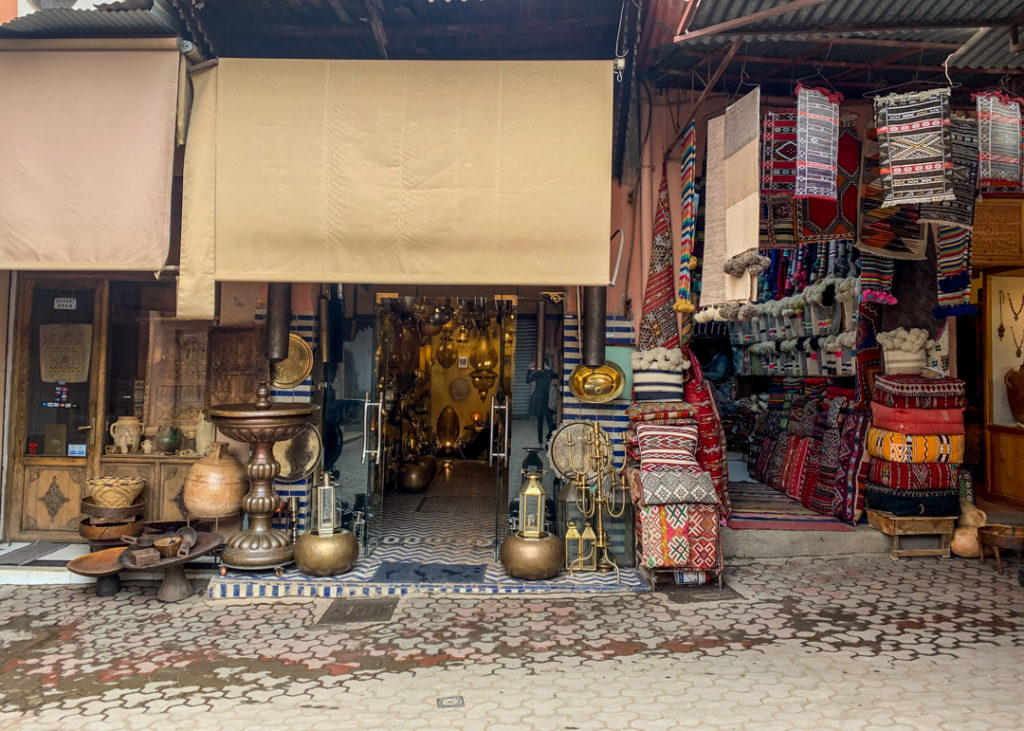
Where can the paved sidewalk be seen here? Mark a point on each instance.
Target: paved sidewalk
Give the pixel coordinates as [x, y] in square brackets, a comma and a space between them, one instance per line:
[920, 643]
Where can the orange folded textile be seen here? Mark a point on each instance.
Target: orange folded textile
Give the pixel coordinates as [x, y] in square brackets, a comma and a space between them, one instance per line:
[917, 421]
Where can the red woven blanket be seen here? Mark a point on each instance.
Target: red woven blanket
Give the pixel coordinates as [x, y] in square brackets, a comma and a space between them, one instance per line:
[901, 476]
[917, 421]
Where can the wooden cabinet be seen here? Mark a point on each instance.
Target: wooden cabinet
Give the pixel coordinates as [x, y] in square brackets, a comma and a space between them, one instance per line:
[1005, 482]
[165, 481]
[52, 497]
[998, 236]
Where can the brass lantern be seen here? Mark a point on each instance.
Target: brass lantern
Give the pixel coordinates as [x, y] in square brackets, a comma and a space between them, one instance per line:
[580, 548]
[531, 505]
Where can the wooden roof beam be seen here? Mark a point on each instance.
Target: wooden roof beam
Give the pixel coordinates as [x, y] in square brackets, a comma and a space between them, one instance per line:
[688, 14]
[857, 64]
[711, 82]
[361, 30]
[377, 27]
[818, 30]
[743, 20]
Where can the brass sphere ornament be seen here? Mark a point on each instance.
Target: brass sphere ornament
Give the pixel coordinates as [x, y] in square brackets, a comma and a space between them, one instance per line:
[531, 553]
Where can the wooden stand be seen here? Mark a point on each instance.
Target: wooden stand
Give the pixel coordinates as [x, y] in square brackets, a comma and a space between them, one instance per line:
[896, 526]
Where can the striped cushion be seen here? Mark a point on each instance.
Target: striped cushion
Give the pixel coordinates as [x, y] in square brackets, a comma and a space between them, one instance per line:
[910, 448]
[660, 410]
[655, 385]
[918, 421]
[667, 447]
[919, 392]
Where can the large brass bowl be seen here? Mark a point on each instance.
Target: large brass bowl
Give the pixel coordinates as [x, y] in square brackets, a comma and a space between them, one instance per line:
[597, 384]
[326, 555]
[532, 559]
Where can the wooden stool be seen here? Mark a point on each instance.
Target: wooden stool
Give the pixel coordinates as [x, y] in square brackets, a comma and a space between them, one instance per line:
[896, 526]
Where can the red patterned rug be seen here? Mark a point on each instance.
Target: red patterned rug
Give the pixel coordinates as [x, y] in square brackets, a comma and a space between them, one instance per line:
[759, 507]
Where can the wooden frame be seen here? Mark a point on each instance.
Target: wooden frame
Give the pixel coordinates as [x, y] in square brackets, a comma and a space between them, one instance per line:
[15, 487]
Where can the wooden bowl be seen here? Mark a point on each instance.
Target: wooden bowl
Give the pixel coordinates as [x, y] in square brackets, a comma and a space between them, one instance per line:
[167, 547]
[109, 532]
[1002, 536]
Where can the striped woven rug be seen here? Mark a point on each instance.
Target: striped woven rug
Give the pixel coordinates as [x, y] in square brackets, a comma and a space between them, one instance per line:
[759, 507]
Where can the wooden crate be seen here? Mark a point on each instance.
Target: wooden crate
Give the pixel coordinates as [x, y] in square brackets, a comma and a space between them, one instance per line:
[896, 526]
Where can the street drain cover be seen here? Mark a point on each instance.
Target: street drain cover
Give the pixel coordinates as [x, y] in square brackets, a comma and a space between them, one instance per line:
[350, 611]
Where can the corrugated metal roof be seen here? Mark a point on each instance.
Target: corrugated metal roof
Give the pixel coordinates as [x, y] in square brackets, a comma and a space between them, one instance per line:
[69, 23]
[862, 13]
[990, 50]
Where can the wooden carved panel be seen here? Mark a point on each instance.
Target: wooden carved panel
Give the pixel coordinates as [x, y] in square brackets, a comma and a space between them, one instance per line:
[172, 486]
[1006, 457]
[53, 497]
[175, 373]
[236, 363]
[998, 231]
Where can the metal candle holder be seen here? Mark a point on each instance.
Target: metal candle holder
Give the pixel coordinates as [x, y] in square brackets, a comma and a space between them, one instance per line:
[595, 497]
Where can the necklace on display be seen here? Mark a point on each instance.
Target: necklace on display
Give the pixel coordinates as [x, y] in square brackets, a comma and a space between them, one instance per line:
[1020, 344]
[1017, 310]
[1002, 329]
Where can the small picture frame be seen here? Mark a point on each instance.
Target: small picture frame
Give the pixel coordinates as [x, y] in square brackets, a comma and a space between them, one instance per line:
[463, 361]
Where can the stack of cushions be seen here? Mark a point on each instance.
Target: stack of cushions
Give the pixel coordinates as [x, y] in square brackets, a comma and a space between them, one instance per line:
[676, 504]
[658, 374]
[916, 443]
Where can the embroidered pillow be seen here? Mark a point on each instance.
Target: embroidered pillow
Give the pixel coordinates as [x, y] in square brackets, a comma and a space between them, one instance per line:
[660, 410]
[667, 447]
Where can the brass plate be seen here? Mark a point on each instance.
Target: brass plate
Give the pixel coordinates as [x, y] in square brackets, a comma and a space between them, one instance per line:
[597, 385]
[563, 456]
[296, 368]
[459, 389]
[299, 455]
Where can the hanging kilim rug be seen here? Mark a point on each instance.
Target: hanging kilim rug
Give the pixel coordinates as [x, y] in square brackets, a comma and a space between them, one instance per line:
[776, 224]
[876, 279]
[960, 210]
[689, 216]
[817, 142]
[915, 148]
[819, 219]
[712, 281]
[953, 252]
[889, 232]
[778, 153]
[999, 140]
[658, 328]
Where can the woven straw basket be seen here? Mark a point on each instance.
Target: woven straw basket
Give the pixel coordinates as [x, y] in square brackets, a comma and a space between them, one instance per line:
[114, 492]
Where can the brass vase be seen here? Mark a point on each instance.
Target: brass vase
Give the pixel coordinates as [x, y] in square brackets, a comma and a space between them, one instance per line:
[326, 554]
[532, 559]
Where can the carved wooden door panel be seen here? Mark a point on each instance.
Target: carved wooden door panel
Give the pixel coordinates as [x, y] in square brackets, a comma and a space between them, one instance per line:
[52, 498]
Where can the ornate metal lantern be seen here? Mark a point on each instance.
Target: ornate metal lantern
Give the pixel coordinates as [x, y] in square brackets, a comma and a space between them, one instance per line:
[580, 548]
[531, 505]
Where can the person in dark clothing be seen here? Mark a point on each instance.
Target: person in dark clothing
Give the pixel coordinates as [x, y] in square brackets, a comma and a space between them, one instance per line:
[540, 399]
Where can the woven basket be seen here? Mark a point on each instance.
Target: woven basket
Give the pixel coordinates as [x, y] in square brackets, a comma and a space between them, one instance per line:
[114, 492]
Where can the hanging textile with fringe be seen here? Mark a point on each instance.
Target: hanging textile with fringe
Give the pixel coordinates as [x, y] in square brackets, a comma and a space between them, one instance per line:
[658, 328]
[915, 150]
[817, 142]
[999, 144]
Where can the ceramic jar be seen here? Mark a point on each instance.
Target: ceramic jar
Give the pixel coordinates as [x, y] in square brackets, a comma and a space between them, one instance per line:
[206, 433]
[1014, 381]
[167, 438]
[126, 432]
[215, 485]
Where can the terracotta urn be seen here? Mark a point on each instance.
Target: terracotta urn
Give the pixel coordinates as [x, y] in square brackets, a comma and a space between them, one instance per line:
[1014, 380]
[215, 485]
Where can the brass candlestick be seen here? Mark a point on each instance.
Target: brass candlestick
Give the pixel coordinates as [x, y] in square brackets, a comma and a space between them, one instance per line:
[596, 497]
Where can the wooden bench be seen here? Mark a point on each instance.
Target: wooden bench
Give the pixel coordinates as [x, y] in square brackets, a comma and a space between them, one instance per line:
[896, 526]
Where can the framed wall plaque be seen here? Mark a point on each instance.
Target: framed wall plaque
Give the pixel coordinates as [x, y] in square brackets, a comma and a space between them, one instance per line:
[175, 372]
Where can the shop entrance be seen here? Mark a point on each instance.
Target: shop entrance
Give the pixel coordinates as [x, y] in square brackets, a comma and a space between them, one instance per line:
[424, 460]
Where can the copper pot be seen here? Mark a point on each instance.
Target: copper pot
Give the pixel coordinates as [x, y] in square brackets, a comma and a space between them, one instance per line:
[326, 555]
[215, 485]
[414, 475]
[532, 559]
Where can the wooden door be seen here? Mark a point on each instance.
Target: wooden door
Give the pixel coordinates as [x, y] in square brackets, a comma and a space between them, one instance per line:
[57, 389]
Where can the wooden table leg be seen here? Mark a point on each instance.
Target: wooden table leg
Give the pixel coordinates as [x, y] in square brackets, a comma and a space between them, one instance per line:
[999, 562]
[108, 585]
[175, 586]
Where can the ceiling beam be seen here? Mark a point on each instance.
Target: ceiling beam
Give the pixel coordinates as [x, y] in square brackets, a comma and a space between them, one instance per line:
[363, 30]
[855, 64]
[879, 42]
[377, 27]
[688, 14]
[817, 30]
[711, 82]
[743, 20]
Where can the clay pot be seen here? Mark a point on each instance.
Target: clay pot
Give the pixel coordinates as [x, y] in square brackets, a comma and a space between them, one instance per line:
[126, 432]
[167, 438]
[215, 485]
[326, 555]
[1014, 380]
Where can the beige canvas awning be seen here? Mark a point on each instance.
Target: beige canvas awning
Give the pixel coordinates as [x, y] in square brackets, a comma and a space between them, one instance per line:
[426, 172]
[86, 161]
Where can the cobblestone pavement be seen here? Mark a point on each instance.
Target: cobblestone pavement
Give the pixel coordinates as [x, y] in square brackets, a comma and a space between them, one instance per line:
[920, 643]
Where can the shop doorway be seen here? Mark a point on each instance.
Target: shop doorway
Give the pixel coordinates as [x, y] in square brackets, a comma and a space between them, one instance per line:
[425, 452]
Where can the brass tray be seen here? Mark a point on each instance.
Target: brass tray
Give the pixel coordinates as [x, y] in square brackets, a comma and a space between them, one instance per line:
[296, 368]
[299, 455]
[563, 456]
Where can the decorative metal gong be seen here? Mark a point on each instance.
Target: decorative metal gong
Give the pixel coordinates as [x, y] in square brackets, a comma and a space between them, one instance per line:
[569, 447]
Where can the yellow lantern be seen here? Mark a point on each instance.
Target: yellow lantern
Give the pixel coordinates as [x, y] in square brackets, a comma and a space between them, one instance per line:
[580, 548]
[531, 505]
